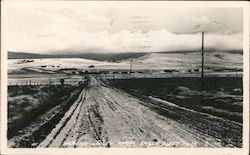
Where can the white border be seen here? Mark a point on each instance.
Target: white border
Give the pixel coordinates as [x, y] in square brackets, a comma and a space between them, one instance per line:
[138, 151]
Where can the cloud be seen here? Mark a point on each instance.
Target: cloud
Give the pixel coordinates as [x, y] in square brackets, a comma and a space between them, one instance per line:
[125, 41]
[89, 29]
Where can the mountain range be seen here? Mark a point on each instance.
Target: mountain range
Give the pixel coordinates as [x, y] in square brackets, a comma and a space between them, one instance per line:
[111, 57]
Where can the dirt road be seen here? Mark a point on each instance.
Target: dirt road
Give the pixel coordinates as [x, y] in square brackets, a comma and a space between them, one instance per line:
[106, 117]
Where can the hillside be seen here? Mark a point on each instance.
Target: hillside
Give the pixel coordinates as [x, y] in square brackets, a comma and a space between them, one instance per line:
[161, 60]
[190, 59]
[112, 57]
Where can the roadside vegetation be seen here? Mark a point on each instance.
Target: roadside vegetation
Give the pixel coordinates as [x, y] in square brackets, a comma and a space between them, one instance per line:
[212, 106]
[33, 110]
[221, 97]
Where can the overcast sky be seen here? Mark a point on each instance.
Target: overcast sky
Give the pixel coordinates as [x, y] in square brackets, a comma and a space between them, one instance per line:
[90, 28]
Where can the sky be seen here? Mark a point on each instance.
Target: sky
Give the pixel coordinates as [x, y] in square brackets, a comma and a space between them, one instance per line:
[91, 28]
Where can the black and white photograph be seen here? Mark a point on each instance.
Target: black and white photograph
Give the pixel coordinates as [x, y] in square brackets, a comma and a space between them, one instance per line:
[124, 75]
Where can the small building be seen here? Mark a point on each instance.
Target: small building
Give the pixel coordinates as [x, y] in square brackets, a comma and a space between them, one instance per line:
[91, 66]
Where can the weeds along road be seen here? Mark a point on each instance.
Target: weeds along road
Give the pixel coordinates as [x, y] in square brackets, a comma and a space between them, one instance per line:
[107, 117]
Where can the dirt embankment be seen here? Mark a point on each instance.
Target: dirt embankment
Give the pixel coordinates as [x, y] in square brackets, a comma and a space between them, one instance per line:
[34, 114]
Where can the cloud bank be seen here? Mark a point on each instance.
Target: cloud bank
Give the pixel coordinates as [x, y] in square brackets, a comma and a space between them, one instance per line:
[124, 41]
[119, 30]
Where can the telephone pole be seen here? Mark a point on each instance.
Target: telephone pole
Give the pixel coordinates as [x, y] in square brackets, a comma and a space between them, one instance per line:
[202, 54]
[130, 70]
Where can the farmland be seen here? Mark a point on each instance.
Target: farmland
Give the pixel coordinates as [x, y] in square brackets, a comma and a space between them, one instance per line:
[218, 96]
[162, 102]
[95, 114]
[212, 106]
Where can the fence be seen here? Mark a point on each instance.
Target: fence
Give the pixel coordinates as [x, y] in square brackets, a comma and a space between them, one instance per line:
[169, 75]
[74, 81]
[27, 82]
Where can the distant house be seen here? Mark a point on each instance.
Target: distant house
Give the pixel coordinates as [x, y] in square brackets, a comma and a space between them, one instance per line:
[125, 72]
[169, 70]
[68, 70]
[196, 70]
[218, 69]
[86, 72]
[91, 66]
[104, 72]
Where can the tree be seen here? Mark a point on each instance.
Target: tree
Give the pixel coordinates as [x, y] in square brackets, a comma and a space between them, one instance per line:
[62, 81]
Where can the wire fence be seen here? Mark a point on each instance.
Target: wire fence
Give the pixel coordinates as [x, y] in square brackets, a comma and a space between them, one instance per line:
[174, 75]
[27, 82]
[74, 81]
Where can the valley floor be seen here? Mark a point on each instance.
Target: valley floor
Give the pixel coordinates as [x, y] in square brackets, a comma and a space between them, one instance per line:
[103, 116]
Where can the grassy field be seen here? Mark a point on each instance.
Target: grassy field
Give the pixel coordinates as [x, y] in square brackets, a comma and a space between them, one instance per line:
[31, 107]
[33, 111]
[216, 96]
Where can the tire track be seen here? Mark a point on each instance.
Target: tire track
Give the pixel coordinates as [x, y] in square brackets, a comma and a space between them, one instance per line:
[60, 126]
[135, 131]
[83, 97]
[109, 117]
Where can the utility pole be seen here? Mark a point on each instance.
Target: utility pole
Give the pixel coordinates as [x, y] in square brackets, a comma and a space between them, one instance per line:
[130, 70]
[202, 54]
[49, 80]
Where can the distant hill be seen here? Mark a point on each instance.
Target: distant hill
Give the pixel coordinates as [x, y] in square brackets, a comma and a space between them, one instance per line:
[22, 55]
[179, 60]
[206, 50]
[167, 60]
[93, 56]
[111, 57]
